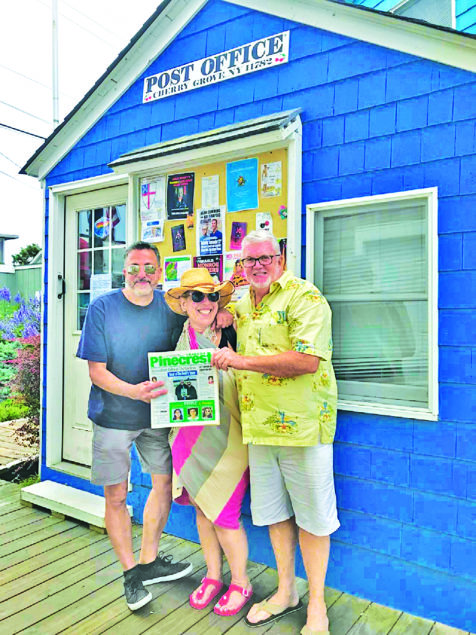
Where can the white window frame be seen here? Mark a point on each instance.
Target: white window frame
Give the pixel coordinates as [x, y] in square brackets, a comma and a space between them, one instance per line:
[313, 251]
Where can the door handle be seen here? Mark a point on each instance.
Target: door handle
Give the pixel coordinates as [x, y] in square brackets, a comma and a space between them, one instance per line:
[60, 286]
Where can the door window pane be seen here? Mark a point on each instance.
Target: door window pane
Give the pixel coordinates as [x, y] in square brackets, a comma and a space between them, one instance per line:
[84, 229]
[118, 222]
[117, 267]
[101, 227]
[84, 270]
[83, 303]
[101, 261]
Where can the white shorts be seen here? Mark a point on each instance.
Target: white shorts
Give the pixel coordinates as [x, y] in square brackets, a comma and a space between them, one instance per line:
[294, 481]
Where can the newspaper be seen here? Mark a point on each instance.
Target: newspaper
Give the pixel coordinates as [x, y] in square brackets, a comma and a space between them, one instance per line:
[192, 385]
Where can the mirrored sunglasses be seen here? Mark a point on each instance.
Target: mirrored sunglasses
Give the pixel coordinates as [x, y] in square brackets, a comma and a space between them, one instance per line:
[198, 296]
[135, 269]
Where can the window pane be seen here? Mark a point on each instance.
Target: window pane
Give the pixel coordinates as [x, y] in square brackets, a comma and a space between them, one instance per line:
[101, 227]
[83, 303]
[375, 279]
[117, 267]
[84, 270]
[118, 221]
[376, 252]
[101, 261]
[84, 229]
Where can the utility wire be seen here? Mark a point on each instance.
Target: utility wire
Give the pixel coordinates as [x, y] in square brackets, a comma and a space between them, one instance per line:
[25, 112]
[14, 178]
[91, 20]
[99, 37]
[11, 160]
[7, 68]
[32, 134]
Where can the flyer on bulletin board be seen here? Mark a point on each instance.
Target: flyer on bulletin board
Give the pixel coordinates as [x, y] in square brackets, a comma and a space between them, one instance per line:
[242, 185]
[210, 229]
[214, 265]
[271, 179]
[152, 209]
[180, 189]
[174, 267]
[192, 389]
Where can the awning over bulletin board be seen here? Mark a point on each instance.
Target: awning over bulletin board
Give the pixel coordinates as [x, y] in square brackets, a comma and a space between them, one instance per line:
[261, 125]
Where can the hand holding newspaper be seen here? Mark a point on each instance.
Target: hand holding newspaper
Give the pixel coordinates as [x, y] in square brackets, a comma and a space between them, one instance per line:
[192, 385]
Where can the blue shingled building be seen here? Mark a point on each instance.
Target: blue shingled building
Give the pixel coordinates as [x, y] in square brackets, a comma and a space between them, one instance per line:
[368, 118]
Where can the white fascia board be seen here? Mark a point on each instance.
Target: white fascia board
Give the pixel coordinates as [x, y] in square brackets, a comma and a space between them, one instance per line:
[155, 40]
[423, 41]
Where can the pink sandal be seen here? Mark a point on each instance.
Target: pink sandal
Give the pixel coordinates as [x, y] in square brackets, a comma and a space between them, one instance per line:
[220, 606]
[204, 586]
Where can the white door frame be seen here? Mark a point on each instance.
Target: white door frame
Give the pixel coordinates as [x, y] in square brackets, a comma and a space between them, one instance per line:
[291, 139]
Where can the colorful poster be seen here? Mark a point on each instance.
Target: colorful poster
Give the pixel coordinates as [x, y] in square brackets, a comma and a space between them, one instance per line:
[233, 271]
[152, 209]
[210, 191]
[238, 232]
[214, 264]
[174, 267]
[271, 179]
[242, 185]
[264, 220]
[180, 189]
[178, 237]
[211, 226]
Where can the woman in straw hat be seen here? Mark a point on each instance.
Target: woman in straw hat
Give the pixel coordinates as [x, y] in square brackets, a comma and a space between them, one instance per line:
[210, 463]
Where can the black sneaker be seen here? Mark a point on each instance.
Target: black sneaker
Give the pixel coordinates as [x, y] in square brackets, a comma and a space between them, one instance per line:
[163, 569]
[136, 595]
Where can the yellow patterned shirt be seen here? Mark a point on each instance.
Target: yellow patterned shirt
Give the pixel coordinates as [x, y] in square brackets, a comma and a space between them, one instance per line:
[299, 411]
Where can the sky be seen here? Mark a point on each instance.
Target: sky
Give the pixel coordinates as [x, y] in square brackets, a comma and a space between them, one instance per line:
[91, 33]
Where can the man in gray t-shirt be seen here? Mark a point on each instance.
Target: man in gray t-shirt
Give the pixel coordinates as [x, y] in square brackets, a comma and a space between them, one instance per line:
[121, 327]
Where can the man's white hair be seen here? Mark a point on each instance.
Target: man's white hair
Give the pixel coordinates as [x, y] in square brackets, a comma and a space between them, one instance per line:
[260, 236]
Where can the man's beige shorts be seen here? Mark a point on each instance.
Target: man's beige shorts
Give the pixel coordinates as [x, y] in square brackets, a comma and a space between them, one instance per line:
[294, 481]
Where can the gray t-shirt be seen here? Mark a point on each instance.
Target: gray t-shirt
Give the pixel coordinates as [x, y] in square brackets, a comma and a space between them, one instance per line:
[120, 334]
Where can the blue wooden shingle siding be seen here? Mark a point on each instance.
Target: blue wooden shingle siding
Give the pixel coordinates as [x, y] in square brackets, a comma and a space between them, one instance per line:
[374, 121]
[465, 11]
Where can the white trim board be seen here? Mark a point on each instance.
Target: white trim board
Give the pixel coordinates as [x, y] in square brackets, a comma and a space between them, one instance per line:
[424, 41]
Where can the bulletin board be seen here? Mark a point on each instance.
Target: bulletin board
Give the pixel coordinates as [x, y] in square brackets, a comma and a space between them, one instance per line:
[265, 176]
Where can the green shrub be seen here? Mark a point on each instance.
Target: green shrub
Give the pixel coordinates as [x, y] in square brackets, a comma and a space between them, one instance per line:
[10, 410]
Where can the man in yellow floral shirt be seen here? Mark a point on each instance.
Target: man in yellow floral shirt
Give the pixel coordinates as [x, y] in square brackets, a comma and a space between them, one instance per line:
[288, 398]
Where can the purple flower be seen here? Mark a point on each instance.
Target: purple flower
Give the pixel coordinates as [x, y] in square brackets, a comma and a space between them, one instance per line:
[5, 294]
[17, 298]
[30, 330]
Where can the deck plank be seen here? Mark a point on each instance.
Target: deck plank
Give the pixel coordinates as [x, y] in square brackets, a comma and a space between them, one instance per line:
[345, 612]
[377, 620]
[78, 541]
[411, 625]
[95, 612]
[442, 629]
[49, 526]
[26, 515]
[42, 547]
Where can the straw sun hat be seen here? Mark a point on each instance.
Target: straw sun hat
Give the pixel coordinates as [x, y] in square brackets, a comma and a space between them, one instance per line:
[198, 279]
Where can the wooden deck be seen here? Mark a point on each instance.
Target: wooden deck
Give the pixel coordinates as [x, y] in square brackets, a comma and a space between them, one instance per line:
[57, 576]
[11, 451]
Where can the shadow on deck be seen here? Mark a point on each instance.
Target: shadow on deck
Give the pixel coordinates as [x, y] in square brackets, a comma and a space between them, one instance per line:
[59, 576]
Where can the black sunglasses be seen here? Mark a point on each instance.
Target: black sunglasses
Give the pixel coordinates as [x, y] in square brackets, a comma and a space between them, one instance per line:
[198, 296]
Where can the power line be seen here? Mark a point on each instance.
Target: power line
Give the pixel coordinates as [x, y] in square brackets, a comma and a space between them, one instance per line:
[25, 112]
[99, 37]
[14, 178]
[7, 68]
[32, 134]
[11, 160]
[93, 21]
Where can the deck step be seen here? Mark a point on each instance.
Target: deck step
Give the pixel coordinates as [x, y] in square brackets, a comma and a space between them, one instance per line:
[67, 501]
